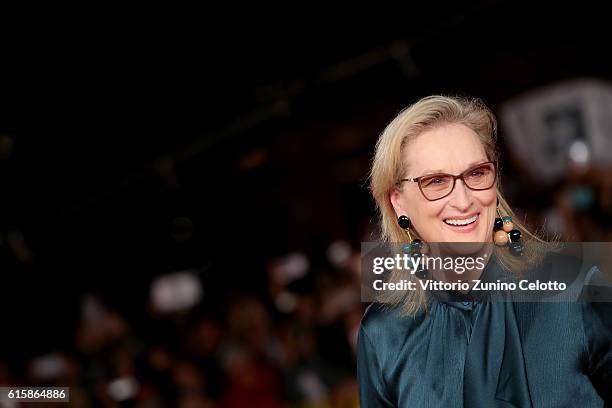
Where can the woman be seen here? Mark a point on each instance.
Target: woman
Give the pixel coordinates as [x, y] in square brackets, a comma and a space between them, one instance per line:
[434, 179]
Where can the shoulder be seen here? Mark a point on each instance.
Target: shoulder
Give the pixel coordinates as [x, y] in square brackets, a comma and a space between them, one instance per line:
[575, 258]
[382, 322]
[560, 263]
[570, 266]
[380, 315]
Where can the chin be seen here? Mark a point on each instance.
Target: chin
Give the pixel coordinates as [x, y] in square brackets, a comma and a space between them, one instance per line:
[463, 248]
[465, 244]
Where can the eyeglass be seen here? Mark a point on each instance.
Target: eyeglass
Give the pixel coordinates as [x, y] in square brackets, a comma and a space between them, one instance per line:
[437, 186]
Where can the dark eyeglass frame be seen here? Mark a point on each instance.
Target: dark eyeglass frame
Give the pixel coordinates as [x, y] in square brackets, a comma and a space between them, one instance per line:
[459, 176]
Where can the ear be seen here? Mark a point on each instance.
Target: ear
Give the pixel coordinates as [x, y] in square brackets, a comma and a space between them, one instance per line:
[395, 197]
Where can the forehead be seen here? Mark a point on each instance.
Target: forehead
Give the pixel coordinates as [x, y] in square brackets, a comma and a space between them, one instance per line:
[449, 148]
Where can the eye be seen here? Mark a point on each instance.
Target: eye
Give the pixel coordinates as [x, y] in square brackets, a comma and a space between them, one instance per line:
[477, 173]
[480, 172]
[434, 181]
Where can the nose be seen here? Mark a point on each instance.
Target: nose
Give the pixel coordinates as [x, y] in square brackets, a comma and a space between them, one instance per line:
[460, 198]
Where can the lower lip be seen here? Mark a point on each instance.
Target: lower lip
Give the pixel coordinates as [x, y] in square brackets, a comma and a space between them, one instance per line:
[464, 228]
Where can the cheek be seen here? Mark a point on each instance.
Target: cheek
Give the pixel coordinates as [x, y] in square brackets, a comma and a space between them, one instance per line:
[488, 203]
[425, 216]
[488, 198]
[426, 210]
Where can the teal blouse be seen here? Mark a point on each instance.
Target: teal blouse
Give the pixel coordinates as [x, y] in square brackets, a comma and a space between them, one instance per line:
[475, 352]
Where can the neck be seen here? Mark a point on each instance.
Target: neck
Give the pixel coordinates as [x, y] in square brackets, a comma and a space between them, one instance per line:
[464, 271]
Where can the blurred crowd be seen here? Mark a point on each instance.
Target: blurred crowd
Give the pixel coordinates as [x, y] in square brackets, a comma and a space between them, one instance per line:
[294, 347]
[290, 344]
[581, 208]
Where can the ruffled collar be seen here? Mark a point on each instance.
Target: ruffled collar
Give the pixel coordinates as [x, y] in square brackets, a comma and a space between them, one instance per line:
[492, 272]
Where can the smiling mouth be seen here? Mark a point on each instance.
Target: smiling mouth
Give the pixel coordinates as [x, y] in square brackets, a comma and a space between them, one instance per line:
[461, 222]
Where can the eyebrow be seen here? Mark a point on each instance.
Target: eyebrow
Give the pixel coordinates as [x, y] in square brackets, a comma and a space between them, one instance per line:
[429, 172]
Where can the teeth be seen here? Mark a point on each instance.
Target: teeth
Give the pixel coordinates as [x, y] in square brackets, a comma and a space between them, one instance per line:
[461, 222]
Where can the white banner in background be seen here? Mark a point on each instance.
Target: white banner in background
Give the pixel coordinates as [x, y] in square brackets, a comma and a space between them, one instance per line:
[546, 129]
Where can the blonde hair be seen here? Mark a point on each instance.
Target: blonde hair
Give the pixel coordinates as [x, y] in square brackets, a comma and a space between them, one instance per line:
[388, 168]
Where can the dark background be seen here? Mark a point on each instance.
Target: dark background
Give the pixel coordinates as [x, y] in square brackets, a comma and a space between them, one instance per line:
[144, 145]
